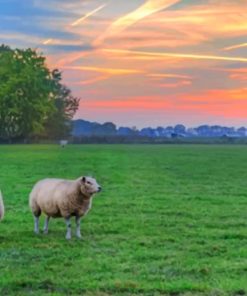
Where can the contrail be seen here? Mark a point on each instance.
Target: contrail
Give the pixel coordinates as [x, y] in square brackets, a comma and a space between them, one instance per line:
[160, 75]
[178, 55]
[235, 46]
[77, 22]
[109, 71]
[148, 8]
[48, 41]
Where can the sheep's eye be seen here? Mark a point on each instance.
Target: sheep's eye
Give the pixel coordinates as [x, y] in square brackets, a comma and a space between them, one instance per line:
[89, 183]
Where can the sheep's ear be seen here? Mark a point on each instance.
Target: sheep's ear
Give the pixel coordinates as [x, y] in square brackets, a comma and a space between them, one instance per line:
[83, 179]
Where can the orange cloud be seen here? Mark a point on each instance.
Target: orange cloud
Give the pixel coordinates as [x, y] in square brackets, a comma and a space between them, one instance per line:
[224, 96]
[69, 58]
[236, 74]
[183, 80]
[196, 24]
[159, 35]
[175, 84]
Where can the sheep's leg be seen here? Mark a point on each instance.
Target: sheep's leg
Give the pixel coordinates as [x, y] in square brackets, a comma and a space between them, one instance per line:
[78, 226]
[36, 224]
[46, 224]
[68, 224]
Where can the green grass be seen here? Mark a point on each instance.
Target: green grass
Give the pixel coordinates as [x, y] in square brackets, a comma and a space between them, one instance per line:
[171, 220]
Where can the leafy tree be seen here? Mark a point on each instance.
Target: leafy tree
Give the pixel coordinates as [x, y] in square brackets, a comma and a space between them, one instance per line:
[59, 122]
[31, 95]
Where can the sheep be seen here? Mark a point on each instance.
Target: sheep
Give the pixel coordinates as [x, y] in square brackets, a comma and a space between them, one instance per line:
[63, 143]
[62, 198]
[1, 206]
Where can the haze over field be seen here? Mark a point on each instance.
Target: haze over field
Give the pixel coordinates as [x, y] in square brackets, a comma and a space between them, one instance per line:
[143, 63]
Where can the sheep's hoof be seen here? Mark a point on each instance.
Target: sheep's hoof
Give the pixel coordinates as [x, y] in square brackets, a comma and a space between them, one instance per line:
[45, 231]
[36, 232]
[68, 237]
[79, 236]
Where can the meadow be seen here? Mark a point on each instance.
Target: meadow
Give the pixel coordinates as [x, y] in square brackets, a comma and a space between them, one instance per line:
[171, 220]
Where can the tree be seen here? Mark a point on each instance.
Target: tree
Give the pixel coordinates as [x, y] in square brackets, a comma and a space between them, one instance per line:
[180, 129]
[109, 129]
[59, 122]
[31, 95]
[25, 92]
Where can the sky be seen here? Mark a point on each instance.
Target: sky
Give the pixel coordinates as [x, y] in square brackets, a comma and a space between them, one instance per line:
[141, 62]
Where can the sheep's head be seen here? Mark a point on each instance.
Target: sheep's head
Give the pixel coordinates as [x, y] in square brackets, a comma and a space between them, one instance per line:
[89, 186]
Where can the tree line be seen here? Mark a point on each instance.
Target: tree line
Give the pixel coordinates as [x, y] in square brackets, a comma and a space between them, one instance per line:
[34, 103]
[86, 128]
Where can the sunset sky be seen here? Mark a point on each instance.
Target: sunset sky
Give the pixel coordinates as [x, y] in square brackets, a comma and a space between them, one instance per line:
[141, 63]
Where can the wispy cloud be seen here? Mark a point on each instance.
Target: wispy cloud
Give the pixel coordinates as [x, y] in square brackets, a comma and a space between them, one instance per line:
[91, 81]
[175, 84]
[161, 75]
[238, 74]
[68, 47]
[196, 24]
[148, 8]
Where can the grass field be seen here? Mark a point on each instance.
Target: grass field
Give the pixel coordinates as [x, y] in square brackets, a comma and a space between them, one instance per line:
[171, 220]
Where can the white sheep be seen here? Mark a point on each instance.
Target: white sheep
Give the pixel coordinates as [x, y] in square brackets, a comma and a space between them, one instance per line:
[62, 198]
[1, 206]
[63, 143]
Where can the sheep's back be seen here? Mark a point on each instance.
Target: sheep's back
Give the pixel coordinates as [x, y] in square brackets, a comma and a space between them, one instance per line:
[50, 189]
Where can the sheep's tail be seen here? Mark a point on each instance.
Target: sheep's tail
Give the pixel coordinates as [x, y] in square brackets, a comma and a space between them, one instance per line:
[1, 206]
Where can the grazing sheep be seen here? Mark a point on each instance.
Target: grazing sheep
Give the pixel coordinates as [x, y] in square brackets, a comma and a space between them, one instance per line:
[1, 206]
[62, 198]
[63, 143]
